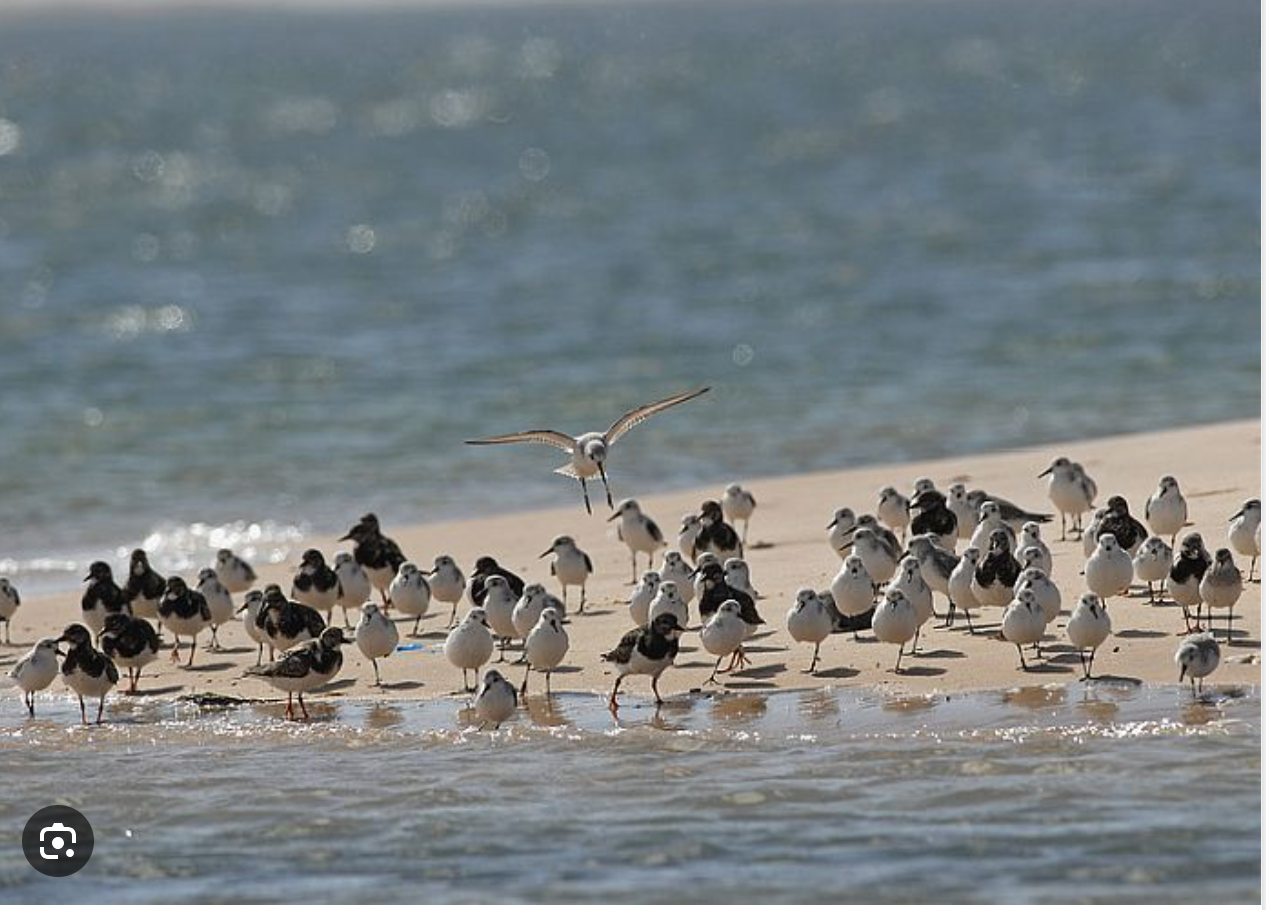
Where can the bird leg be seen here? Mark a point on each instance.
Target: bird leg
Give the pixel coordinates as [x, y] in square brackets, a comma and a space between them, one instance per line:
[304, 708]
[175, 650]
[584, 489]
[83, 712]
[416, 623]
[917, 633]
[813, 664]
[377, 678]
[612, 704]
[1230, 615]
[1251, 566]
[715, 670]
[582, 598]
[259, 655]
[602, 471]
[900, 649]
[290, 706]
[502, 642]
[100, 709]
[215, 640]
[547, 690]
[1023, 665]
[655, 688]
[526, 674]
[1063, 530]
[192, 648]
[452, 617]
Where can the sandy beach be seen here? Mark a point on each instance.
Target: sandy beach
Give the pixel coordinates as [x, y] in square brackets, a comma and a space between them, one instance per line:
[1216, 465]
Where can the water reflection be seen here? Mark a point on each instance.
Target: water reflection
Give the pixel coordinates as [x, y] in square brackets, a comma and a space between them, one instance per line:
[1035, 697]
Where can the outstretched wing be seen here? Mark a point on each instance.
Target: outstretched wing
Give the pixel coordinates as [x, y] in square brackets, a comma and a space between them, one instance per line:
[637, 415]
[544, 437]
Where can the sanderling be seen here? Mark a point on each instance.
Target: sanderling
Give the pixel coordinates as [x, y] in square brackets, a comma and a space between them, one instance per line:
[673, 567]
[486, 566]
[739, 575]
[1128, 530]
[589, 451]
[1070, 491]
[87, 671]
[1151, 564]
[570, 565]
[36, 671]
[131, 643]
[966, 513]
[532, 606]
[448, 584]
[410, 594]
[496, 701]
[379, 555]
[353, 582]
[738, 505]
[183, 612]
[667, 600]
[1010, 512]
[219, 601]
[840, 531]
[1183, 581]
[936, 563]
[933, 516]
[144, 586]
[909, 581]
[305, 667]
[993, 584]
[1088, 628]
[989, 519]
[893, 509]
[1090, 534]
[688, 534]
[1023, 623]
[469, 644]
[723, 636]
[234, 571]
[1243, 532]
[895, 622]
[638, 532]
[376, 636]
[102, 597]
[879, 559]
[640, 599]
[249, 611]
[545, 647]
[1197, 657]
[809, 621]
[1031, 539]
[499, 604]
[962, 594]
[716, 535]
[1166, 509]
[286, 623]
[645, 651]
[10, 600]
[1222, 586]
[1044, 591]
[1109, 570]
[852, 589]
[316, 585]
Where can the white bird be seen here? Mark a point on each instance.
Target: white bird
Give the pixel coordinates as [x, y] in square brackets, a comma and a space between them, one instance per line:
[1221, 587]
[895, 622]
[234, 572]
[722, 635]
[638, 532]
[1166, 509]
[219, 601]
[36, 671]
[1109, 570]
[962, 594]
[1090, 536]
[738, 575]
[249, 611]
[878, 558]
[496, 701]
[570, 565]
[852, 589]
[499, 604]
[893, 510]
[532, 605]
[989, 519]
[10, 600]
[545, 646]
[1044, 591]
[1071, 491]
[376, 636]
[1151, 564]
[1244, 532]
[966, 513]
[1023, 623]
[448, 584]
[839, 536]
[1088, 628]
[673, 567]
[1031, 539]
[589, 451]
[688, 534]
[667, 600]
[909, 581]
[1197, 657]
[738, 505]
[410, 594]
[354, 585]
[809, 621]
[469, 644]
[640, 599]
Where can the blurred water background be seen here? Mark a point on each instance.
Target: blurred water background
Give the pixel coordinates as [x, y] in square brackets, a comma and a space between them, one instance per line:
[262, 271]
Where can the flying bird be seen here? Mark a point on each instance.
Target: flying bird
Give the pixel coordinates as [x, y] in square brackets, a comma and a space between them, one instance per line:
[589, 451]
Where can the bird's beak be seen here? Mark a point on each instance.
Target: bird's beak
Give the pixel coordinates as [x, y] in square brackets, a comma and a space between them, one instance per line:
[850, 530]
[1238, 514]
[347, 536]
[1182, 671]
[834, 522]
[546, 553]
[613, 517]
[241, 609]
[1047, 471]
[88, 577]
[59, 652]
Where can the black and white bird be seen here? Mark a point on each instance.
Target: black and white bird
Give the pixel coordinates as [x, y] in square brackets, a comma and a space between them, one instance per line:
[545, 647]
[183, 612]
[144, 586]
[448, 584]
[716, 591]
[1011, 513]
[1221, 587]
[102, 597]
[1128, 531]
[994, 582]
[496, 701]
[1183, 582]
[1071, 491]
[1166, 509]
[379, 555]
[589, 451]
[1244, 532]
[1197, 657]
[10, 600]
[716, 535]
[738, 504]
[932, 515]
[132, 643]
[486, 566]
[646, 651]
[220, 602]
[36, 671]
[234, 571]
[570, 565]
[410, 594]
[376, 636]
[355, 588]
[638, 532]
[286, 623]
[316, 585]
[88, 672]
[304, 668]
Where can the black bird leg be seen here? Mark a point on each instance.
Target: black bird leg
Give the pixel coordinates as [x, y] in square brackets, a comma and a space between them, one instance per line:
[584, 489]
[606, 486]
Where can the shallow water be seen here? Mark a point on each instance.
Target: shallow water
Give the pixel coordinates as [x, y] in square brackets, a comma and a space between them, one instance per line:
[260, 272]
[1108, 793]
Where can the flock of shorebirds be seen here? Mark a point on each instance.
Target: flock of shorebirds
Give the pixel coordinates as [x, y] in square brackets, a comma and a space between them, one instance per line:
[893, 561]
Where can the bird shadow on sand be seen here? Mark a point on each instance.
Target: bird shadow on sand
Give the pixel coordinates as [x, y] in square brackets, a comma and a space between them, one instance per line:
[337, 685]
[211, 668]
[1046, 667]
[760, 545]
[566, 670]
[834, 673]
[693, 665]
[1113, 679]
[231, 650]
[590, 611]
[762, 649]
[920, 671]
[1141, 633]
[428, 636]
[154, 690]
[402, 686]
[763, 672]
[748, 684]
[939, 654]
